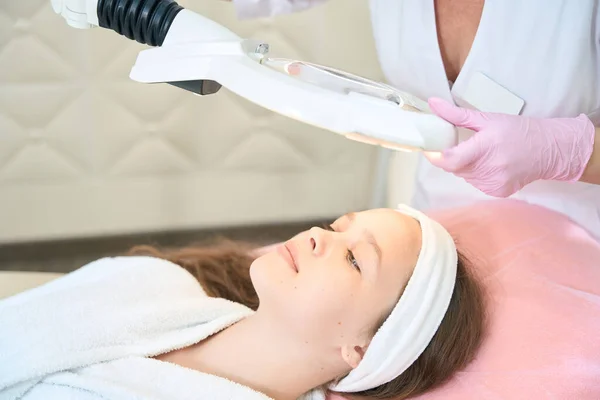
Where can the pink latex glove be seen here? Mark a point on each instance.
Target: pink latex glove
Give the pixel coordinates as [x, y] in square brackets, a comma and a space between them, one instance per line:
[509, 151]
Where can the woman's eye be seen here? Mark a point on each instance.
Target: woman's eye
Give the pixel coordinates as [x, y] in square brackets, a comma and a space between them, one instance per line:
[352, 260]
[349, 255]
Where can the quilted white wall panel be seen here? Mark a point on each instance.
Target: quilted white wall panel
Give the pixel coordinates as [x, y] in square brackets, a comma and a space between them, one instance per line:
[84, 151]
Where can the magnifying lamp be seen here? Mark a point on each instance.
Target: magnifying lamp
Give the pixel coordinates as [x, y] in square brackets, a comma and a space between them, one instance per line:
[197, 54]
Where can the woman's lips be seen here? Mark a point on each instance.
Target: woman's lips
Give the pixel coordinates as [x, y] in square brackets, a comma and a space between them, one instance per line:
[286, 253]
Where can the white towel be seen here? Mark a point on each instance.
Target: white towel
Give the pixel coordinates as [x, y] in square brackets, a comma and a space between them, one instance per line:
[88, 335]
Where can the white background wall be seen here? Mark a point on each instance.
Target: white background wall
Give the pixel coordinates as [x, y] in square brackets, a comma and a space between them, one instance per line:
[85, 152]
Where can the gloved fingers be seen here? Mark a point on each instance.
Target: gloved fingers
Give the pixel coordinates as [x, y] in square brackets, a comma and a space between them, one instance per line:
[458, 157]
[496, 190]
[294, 68]
[490, 184]
[458, 116]
[487, 179]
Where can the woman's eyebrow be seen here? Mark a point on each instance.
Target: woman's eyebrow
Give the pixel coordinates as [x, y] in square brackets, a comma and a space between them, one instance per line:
[368, 235]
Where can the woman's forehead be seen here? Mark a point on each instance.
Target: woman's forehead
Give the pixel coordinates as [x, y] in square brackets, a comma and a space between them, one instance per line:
[399, 238]
[375, 217]
[390, 228]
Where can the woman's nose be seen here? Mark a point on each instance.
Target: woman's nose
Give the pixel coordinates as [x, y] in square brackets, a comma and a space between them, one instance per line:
[318, 240]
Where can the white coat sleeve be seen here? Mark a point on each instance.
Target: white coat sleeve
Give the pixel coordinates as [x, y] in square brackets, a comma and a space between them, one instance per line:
[247, 9]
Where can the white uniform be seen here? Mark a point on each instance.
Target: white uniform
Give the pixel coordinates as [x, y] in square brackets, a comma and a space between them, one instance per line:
[546, 52]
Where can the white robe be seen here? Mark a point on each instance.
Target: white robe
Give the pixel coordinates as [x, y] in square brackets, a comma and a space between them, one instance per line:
[91, 335]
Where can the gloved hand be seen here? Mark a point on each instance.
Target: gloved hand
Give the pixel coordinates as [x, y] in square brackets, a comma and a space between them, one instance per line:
[509, 151]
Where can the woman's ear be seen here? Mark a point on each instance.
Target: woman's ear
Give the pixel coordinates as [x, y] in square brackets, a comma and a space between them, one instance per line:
[353, 355]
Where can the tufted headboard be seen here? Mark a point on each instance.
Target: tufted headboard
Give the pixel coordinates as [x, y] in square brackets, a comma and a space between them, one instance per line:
[85, 151]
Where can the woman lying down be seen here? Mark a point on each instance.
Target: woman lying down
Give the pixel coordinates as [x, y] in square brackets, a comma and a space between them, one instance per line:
[379, 305]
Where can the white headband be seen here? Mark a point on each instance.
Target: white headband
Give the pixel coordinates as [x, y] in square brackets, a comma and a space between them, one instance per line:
[416, 317]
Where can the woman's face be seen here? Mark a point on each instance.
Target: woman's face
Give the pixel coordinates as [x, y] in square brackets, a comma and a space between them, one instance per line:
[334, 286]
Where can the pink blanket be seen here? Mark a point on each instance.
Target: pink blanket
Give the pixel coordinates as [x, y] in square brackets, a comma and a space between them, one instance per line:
[542, 275]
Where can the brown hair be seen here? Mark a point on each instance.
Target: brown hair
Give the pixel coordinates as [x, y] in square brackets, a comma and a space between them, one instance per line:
[222, 270]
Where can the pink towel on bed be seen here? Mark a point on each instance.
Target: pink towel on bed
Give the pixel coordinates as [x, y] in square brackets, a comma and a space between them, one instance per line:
[542, 274]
